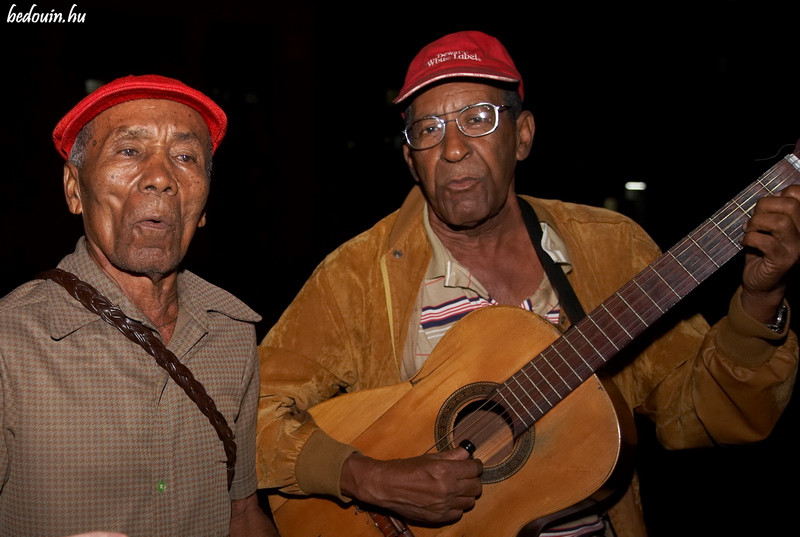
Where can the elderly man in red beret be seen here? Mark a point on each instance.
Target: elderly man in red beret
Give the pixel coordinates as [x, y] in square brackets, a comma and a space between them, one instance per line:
[431, 321]
[128, 385]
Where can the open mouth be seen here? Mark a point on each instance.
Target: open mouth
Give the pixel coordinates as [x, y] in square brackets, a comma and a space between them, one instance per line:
[154, 224]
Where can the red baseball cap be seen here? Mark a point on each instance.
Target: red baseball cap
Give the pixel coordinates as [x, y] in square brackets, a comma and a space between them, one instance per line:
[461, 54]
[130, 88]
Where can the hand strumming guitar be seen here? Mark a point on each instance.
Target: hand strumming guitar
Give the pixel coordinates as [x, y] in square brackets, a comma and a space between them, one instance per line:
[436, 487]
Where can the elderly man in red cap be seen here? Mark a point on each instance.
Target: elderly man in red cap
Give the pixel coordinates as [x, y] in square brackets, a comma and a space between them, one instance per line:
[434, 317]
[129, 386]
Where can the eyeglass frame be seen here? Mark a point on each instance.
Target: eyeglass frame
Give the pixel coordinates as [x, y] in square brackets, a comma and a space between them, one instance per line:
[498, 108]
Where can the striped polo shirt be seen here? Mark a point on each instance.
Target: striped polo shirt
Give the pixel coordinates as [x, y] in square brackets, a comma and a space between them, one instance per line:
[449, 291]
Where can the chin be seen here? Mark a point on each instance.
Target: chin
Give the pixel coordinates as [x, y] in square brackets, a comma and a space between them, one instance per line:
[153, 266]
[470, 217]
[465, 223]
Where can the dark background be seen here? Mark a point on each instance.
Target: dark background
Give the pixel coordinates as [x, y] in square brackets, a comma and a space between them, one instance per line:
[696, 100]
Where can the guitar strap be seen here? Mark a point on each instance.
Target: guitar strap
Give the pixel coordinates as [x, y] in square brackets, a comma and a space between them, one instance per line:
[566, 295]
[575, 312]
[137, 332]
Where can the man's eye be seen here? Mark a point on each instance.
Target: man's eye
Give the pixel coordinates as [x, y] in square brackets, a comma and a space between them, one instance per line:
[426, 128]
[186, 158]
[128, 152]
[477, 119]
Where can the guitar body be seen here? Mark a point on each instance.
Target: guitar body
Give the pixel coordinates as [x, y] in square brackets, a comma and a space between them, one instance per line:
[568, 456]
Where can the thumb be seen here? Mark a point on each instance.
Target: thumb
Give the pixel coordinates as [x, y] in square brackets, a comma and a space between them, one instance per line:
[456, 454]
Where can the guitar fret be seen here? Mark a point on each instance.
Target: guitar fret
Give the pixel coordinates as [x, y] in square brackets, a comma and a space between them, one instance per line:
[561, 378]
[722, 231]
[603, 306]
[602, 317]
[600, 329]
[569, 364]
[648, 296]
[567, 341]
[631, 308]
[539, 371]
[703, 250]
[745, 211]
[766, 186]
[688, 272]
[554, 349]
[541, 411]
[586, 339]
[523, 405]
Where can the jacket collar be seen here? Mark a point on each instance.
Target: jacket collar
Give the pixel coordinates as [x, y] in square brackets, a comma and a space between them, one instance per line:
[408, 214]
[411, 212]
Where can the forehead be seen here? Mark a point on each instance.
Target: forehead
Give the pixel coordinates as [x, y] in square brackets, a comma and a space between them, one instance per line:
[454, 96]
[151, 116]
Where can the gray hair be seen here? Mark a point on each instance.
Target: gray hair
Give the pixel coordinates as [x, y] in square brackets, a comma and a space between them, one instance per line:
[77, 155]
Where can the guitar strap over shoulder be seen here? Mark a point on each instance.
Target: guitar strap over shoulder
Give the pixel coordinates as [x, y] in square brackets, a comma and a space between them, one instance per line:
[93, 301]
[566, 295]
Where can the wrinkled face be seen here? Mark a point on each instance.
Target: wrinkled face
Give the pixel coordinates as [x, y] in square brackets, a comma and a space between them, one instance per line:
[143, 187]
[468, 180]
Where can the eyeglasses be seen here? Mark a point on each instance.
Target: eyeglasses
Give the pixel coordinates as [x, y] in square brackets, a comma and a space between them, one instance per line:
[474, 120]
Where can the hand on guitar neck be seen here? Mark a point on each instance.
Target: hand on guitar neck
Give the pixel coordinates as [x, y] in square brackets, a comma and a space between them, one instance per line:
[772, 246]
[432, 488]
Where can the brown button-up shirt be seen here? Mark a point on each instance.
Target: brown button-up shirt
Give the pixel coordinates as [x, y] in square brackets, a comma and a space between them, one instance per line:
[96, 436]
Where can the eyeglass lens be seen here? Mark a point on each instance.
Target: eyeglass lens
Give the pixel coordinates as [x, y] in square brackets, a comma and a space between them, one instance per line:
[475, 120]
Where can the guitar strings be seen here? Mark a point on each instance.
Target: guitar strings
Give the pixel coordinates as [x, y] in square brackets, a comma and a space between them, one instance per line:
[725, 222]
[546, 378]
[646, 276]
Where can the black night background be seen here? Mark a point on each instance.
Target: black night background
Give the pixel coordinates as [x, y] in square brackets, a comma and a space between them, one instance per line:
[695, 100]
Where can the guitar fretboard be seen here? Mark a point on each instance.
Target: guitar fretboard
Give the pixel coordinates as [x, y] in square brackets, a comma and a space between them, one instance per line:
[589, 344]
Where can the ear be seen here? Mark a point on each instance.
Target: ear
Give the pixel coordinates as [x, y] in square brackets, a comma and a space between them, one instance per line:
[525, 130]
[410, 162]
[72, 190]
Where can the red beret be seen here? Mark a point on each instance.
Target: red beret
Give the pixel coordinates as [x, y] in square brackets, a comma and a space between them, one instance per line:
[462, 54]
[130, 88]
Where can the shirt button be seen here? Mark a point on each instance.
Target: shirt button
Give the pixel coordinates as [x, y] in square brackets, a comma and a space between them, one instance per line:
[397, 254]
[161, 486]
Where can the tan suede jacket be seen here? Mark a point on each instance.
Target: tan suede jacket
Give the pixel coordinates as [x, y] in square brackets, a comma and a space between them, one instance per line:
[346, 329]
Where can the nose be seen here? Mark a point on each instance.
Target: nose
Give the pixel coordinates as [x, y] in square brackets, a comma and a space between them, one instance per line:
[157, 175]
[454, 144]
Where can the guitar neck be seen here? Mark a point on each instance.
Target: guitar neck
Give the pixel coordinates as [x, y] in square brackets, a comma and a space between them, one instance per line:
[589, 344]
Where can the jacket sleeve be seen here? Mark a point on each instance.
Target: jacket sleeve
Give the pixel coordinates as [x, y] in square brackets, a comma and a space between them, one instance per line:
[731, 386]
[304, 360]
[702, 385]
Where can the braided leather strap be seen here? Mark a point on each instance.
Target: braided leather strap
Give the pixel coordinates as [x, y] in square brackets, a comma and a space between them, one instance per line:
[144, 336]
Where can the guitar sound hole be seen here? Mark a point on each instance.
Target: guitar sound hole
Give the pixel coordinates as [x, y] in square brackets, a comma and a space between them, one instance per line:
[486, 429]
[468, 414]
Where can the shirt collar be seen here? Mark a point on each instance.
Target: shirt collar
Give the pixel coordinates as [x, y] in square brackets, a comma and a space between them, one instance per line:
[444, 265]
[197, 297]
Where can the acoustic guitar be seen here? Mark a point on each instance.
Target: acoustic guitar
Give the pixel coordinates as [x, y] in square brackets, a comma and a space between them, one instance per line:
[525, 400]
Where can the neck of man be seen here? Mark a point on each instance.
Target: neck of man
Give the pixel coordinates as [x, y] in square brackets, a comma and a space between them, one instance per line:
[491, 236]
[498, 252]
[155, 295]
